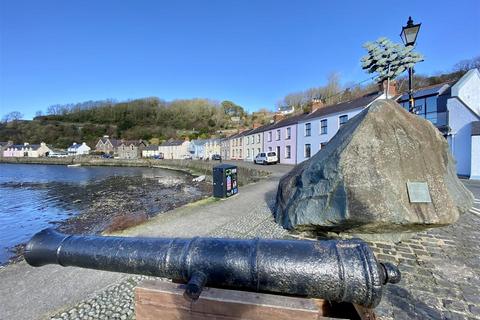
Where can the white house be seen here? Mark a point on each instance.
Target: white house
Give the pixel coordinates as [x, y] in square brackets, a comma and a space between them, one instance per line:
[37, 150]
[316, 129]
[77, 149]
[253, 142]
[175, 149]
[27, 150]
[151, 151]
[453, 108]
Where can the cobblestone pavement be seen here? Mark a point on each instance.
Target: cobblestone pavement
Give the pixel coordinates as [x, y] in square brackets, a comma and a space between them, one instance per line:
[440, 271]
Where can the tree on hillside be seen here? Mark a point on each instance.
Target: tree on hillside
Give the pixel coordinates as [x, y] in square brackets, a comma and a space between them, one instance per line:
[388, 59]
[232, 110]
[12, 116]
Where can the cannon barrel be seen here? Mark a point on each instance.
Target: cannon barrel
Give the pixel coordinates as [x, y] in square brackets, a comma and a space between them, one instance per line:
[336, 270]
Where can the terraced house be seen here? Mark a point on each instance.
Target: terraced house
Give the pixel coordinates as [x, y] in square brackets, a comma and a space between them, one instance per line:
[237, 148]
[27, 150]
[318, 127]
[107, 145]
[253, 142]
[131, 149]
[281, 137]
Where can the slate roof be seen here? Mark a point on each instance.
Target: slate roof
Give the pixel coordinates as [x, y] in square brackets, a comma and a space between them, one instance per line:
[476, 128]
[360, 102]
[172, 143]
[4, 144]
[114, 142]
[75, 146]
[153, 147]
[437, 89]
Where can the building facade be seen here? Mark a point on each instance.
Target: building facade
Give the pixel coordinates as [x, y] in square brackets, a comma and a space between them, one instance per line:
[253, 143]
[281, 137]
[107, 145]
[197, 148]
[318, 127]
[453, 108]
[4, 146]
[237, 148]
[151, 151]
[225, 148]
[131, 149]
[27, 150]
[77, 149]
[212, 146]
[175, 149]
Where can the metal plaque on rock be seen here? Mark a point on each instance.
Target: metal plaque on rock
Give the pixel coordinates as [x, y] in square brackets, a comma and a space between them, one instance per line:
[418, 192]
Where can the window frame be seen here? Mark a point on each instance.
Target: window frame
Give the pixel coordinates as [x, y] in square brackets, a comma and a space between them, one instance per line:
[288, 133]
[324, 126]
[308, 129]
[340, 124]
[309, 150]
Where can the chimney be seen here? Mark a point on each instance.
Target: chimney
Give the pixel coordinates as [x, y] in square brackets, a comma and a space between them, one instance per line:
[278, 117]
[256, 125]
[317, 104]
[392, 89]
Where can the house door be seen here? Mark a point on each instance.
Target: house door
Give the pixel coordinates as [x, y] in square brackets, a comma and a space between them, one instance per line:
[278, 153]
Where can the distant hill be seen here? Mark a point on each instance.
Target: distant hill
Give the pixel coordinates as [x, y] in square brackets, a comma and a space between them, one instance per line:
[148, 118]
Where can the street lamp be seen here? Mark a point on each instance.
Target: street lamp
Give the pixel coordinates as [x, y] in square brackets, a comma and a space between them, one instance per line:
[409, 36]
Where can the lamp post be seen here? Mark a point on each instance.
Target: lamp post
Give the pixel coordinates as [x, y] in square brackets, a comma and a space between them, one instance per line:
[409, 36]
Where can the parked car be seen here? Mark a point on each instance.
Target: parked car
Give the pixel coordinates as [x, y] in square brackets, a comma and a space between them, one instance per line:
[158, 156]
[107, 156]
[216, 157]
[266, 158]
[187, 157]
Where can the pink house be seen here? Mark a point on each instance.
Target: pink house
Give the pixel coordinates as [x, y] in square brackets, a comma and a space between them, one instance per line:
[281, 137]
[15, 150]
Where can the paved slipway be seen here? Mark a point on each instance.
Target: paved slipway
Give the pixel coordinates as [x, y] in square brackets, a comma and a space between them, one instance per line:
[440, 268]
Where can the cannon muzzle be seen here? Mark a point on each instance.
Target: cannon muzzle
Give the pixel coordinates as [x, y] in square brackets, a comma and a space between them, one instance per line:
[336, 270]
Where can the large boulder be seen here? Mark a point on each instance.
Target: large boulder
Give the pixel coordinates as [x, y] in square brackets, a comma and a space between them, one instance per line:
[358, 182]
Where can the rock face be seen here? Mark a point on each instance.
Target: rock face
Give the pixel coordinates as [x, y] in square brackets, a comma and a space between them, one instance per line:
[358, 182]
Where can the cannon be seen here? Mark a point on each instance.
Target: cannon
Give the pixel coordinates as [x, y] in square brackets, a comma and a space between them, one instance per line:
[335, 270]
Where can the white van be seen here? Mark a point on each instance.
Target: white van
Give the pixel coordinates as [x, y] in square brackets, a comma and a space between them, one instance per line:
[266, 158]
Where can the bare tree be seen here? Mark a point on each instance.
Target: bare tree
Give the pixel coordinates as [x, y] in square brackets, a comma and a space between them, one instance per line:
[12, 116]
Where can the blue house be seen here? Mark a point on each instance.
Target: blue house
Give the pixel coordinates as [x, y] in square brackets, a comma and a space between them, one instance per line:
[197, 148]
[453, 108]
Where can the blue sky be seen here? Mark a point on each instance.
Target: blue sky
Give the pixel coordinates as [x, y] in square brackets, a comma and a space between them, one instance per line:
[251, 52]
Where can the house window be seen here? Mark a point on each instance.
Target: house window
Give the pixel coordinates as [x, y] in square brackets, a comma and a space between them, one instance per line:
[308, 150]
[288, 153]
[278, 134]
[322, 145]
[270, 136]
[342, 120]
[248, 153]
[258, 151]
[323, 126]
[258, 138]
[288, 134]
[308, 129]
[240, 153]
[269, 149]
[248, 140]
[241, 140]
